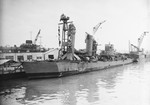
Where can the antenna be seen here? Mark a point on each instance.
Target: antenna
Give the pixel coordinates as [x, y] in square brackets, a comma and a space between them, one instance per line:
[30, 35]
[129, 46]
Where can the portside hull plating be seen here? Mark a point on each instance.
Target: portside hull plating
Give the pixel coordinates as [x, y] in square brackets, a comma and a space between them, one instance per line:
[45, 69]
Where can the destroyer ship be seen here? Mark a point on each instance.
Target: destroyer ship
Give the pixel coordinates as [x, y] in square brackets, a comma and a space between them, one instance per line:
[70, 61]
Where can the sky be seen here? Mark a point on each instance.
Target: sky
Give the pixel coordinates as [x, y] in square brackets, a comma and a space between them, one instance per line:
[126, 20]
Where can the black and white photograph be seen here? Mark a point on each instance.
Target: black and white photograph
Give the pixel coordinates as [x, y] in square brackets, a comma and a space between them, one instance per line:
[74, 52]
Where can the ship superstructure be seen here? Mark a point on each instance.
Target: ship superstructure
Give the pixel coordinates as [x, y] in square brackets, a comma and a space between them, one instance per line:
[68, 39]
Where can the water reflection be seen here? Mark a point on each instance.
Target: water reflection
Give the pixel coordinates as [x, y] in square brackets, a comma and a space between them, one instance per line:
[122, 85]
[78, 89]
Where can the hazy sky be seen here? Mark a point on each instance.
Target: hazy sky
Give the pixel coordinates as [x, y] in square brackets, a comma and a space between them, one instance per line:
[125, 20]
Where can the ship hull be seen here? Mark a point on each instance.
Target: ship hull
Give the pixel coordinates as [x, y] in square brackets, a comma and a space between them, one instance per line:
[45, 69]
[138, 57]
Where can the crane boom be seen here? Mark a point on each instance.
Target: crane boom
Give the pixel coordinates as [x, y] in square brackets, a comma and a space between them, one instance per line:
[37, 36]
[135, 46]
[140, 40]
[97, 26]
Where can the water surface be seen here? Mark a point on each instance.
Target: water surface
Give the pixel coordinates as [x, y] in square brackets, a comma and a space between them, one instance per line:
[125, 85]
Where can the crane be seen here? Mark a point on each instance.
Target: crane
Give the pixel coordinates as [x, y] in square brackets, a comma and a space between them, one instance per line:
[135, 48]
[97, 26]
[37, 36]
[140, 40]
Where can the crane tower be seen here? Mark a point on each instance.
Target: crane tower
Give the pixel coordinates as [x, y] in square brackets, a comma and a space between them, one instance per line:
[140, 40]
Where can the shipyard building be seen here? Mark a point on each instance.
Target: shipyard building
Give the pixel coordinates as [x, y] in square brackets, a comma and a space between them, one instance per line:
[28, 52]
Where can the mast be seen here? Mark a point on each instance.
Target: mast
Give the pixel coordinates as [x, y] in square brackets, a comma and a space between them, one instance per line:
[68, 38]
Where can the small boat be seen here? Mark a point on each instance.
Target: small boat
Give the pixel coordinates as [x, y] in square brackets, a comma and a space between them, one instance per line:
[10, 69]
